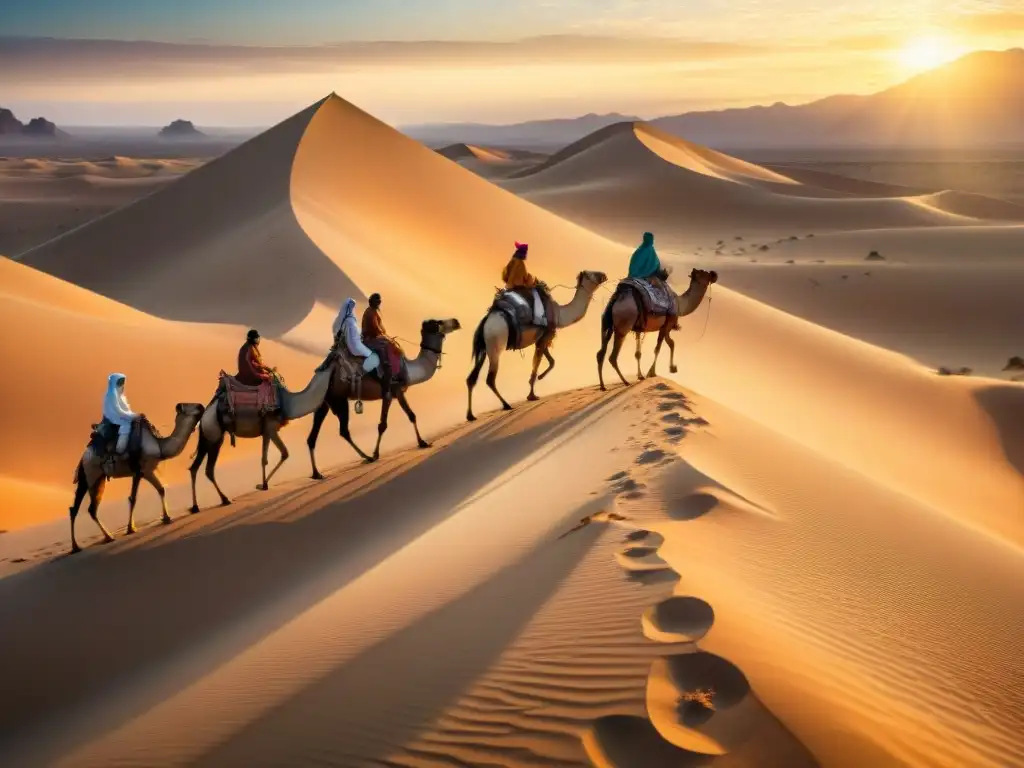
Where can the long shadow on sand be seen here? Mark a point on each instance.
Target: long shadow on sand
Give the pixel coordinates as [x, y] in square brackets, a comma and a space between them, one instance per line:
[78, 629]
[372, 705]
[1005, 406]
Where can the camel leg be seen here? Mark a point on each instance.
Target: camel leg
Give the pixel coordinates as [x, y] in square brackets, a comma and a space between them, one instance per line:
[385, 406]
[81, 489]
[95, 497]
[340, 410]
[671, 353]
[132, 498]
[264, 460]
[551, 363]
[493, 357]
[210, 451]
[639, 342]
[154, 479]
[275, 438]
[605, 338]
[318, 421]
[404, 402]
[613, 358]
[538, 354]
[471, 380]
[662, 333]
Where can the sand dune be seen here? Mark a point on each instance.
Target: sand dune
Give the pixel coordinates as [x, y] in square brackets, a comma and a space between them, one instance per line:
[491, 162]
[811, 555]
[943, 295]
[45, 197]
[632, 172]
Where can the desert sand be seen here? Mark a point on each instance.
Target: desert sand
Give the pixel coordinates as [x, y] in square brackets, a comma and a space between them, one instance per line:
[41, 198]
[802, 549]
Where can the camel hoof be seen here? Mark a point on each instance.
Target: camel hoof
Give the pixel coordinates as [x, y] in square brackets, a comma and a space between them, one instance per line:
[532, 397]
[166, 520]
[75, 549]
[107, 540]
[424, 444]
[673, 369]
[506, 407]
[130, 530]
[225, 501]
[195, 509]
[263, 487]
[317, 476]
[470, 417]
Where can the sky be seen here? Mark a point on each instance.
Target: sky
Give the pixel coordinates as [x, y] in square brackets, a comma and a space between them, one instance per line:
[252, 63]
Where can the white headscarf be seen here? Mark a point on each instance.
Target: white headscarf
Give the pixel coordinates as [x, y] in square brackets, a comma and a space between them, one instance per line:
[115, 405]
[347, 309]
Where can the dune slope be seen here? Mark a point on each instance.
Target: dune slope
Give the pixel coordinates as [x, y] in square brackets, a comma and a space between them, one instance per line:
[633, 172]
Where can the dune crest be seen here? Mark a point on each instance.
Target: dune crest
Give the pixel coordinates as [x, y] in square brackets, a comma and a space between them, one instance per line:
[634, 172]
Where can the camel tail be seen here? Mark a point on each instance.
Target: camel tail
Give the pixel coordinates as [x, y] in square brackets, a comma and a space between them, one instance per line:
[479, 343]
[606, 321]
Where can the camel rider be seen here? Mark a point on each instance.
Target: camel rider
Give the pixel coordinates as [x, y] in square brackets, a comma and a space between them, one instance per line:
[117, 411]
[347, 327]
[377, 339]
[516, 275]
[251, 370]
[645, 264]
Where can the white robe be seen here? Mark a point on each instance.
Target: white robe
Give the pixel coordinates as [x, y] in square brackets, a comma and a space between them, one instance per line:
[115, 406]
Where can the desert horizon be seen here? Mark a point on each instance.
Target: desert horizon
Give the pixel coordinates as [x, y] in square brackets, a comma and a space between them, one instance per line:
[768, 516]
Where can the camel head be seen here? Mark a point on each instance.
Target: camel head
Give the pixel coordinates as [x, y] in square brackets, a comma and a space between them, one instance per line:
[590, 280]
[432, 333]
[189, 410]
[703, 276]
[440, 327]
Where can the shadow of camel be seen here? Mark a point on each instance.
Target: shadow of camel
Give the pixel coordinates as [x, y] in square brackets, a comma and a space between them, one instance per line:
[243, 576]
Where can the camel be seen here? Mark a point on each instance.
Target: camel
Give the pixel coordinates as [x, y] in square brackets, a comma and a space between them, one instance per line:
[91, 478]
[492, 335]
[622, 315]
[218, 422]
[420, 370]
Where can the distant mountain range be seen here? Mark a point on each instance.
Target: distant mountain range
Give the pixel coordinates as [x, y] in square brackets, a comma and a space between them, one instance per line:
[36, 128]
[975, 101]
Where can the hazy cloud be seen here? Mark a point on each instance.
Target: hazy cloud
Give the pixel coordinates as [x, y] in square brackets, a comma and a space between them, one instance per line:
[43, 59]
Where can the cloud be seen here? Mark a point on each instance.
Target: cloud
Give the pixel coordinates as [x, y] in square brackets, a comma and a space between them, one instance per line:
[41, 60]
[997, 23]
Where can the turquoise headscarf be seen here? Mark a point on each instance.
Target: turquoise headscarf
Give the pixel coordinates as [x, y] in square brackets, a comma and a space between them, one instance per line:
[645, 262]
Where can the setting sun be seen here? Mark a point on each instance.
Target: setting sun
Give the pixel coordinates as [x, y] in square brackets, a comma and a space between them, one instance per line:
[924, 53]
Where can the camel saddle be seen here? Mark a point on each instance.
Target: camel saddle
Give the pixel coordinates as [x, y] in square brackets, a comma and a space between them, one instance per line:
[103, 441]
[654, 296]
[517, 307]
[389, 352]
[350, 367]
[246, 400]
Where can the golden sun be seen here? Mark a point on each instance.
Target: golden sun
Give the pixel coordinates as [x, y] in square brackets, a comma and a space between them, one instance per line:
[924, 53]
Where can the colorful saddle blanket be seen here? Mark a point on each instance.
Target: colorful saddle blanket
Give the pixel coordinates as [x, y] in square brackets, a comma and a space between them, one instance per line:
[244, 399]
[657, 297]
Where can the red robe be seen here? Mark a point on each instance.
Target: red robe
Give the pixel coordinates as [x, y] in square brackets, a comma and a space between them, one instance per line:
[251, 370]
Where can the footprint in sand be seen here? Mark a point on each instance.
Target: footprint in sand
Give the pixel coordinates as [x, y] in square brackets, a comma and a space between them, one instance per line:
[641, 559]
[678, 620]
[700, 702]
[651, 456]
[643, 535]
[692, 506]
[625, 741]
